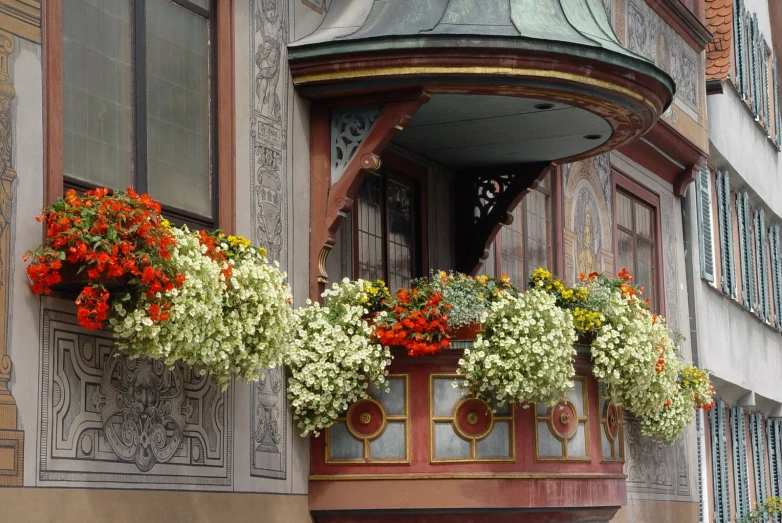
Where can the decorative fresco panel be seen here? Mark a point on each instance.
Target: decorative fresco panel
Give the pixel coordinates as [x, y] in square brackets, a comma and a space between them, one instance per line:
[588, 235]
[107, 418]
[650, 36]
[654, 468]
[269, 84]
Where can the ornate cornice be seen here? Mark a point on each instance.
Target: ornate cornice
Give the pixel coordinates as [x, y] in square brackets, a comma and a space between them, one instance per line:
[21, 18]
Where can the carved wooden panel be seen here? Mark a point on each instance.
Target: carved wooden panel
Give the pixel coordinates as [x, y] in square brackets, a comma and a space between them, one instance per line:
[105, 418]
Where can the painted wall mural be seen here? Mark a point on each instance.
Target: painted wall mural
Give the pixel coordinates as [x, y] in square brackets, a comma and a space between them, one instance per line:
[269, 84]
[588, 229]
[110, 419]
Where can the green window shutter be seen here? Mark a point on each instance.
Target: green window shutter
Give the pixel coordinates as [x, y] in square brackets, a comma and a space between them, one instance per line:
[739, 47]
[719, 464]
[776, 274]
[753, 60]
[764, 85]
[775, 455]
[728, 272]
[745, 251]
[705, 225]
[761, 257]
[740, 470]
[758, 455]
[775, 82]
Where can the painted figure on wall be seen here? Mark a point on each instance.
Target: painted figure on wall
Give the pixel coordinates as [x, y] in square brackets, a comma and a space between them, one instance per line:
[268, 19]
[586, 258]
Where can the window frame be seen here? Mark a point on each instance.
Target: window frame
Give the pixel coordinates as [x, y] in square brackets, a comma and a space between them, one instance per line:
[222, 141]
[555, 202]
[396, 167]
[622, 183]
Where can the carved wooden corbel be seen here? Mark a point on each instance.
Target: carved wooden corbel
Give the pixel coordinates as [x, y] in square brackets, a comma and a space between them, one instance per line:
[484, 199]
[346, 144]
[687, 176]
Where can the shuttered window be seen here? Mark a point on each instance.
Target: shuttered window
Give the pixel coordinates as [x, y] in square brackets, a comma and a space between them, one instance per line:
[775, 82]
[719, 463]
[745, 250]
[728, 273]
[739, 50]
[774, 435]
[705, 225]
[776, 274]
[758, 455]
[761, 255]
[740, 466]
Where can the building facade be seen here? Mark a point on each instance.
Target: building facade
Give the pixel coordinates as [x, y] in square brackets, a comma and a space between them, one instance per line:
[371, 139]
[734, 284]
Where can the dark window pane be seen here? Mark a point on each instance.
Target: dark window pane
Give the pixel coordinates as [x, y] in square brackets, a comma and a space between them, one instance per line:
[400, 234]
[97, 114]
[512, 248]
[178, 97]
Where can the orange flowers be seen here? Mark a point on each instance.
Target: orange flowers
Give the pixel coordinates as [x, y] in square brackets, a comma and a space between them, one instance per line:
[418, 322]
[107, 237]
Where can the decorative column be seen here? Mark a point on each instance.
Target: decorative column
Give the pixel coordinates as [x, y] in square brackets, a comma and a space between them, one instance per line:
[11, 440]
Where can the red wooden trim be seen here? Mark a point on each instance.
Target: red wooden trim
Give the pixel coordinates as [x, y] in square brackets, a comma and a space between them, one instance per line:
[320, 179]
[621, 180]
[341, 195]
[226, 117]
[52, 101]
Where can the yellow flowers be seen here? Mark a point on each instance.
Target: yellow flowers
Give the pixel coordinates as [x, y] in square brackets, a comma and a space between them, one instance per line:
[482, 279]
[772, 506]
[165, 223]
[586, 320]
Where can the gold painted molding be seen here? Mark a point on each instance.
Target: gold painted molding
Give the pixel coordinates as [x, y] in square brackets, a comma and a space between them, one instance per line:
[488, 475]
[21, 18]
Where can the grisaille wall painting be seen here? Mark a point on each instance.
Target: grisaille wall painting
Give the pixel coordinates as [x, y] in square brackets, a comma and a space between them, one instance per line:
[269, 84]
[110, 419]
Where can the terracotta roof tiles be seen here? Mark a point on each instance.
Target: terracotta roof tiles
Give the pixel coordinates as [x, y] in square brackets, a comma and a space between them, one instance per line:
[719, 19]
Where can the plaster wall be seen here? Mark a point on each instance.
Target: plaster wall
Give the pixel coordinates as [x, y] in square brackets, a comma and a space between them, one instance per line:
[739, 145]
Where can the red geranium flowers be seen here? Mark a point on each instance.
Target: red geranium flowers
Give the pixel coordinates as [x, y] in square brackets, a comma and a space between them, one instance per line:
[417, 321]
[107, 236]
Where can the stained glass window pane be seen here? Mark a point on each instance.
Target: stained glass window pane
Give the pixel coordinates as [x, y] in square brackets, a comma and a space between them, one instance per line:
[178, 123]
[370, 229]
[538, 224]
[400, 234]
[512, 248]
[96, 78]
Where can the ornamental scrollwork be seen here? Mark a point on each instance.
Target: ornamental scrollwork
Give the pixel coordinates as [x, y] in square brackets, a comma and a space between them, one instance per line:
[349, 128]
[488, 189]
[143, 412]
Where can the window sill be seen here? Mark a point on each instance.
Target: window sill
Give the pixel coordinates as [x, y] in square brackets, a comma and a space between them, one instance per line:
[737, 301]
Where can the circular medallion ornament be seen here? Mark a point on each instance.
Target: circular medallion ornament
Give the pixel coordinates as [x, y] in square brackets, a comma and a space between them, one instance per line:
[366, 419]
[611, 419]
[563, 420]
[473, 419]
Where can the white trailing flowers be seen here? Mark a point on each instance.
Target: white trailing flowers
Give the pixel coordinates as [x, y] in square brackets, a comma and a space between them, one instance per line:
[234, 327]
[525, 354]
[332, 357]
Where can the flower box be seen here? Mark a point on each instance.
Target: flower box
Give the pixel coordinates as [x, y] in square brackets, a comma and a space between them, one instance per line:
[468, 332]
[74, 281]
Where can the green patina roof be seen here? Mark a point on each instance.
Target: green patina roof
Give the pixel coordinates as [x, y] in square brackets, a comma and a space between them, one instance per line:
[574, 27]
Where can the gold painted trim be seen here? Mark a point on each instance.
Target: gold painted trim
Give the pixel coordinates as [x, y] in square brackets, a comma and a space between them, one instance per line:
[582, 418]
[433, 420]
[21, 18]
[470, 70]
[499, 475]
[366, 442]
